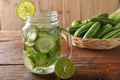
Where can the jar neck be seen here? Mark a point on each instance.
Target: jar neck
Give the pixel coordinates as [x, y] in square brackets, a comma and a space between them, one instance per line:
[43, 17]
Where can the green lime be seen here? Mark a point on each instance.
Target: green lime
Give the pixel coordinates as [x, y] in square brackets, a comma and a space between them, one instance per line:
[45, 44]
[75, 23]
[25, 8]
[64, 68]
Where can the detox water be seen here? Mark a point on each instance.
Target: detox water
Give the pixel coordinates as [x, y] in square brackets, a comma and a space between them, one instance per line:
[41, 43]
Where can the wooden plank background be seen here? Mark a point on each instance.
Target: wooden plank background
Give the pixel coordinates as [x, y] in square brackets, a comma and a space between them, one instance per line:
[68, 10]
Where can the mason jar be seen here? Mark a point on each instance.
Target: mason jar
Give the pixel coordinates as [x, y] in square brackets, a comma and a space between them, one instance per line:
[41, 42]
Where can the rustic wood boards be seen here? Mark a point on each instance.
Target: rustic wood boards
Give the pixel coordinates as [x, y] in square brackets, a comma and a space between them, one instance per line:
[68, 10]
[90, 64]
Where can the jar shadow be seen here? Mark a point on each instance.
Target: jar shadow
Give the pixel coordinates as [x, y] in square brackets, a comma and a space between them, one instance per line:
[51, 76]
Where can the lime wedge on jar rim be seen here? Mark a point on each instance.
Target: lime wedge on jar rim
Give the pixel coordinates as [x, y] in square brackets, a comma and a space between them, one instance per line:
[24, 8]
[64, 68]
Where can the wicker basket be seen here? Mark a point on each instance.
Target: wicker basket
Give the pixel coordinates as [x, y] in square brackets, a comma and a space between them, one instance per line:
[102, 44]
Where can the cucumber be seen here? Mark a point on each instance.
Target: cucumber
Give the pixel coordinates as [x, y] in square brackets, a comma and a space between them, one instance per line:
[40, 60]
[80, 32]
[103, 15]
[91, 33]
[117, 26]
[111, 34]
[103, 20]
[30, 33]
[107, 28]
[28, 61]
[117, 35]
[117, 18]
[27, 43]
[72, 30]
[45, 44]
[114, 14]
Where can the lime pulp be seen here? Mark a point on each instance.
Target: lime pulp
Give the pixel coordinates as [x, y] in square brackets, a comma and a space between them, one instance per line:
[64, 68]
[25, 8]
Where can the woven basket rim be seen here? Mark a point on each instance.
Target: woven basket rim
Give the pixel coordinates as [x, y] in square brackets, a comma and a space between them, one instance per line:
[94, 43]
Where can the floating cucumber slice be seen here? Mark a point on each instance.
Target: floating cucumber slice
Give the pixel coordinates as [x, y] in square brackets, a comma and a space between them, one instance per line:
[31, 33]
[28, 62]
[29, 43]
[45, 44]
[44, 70]
[41, 60]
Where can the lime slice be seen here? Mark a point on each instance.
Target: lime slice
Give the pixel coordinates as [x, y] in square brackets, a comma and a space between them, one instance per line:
[25, 8]
[44, 44]
[64, 68]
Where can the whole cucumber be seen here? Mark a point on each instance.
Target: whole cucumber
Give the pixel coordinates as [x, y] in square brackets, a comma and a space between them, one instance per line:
[117, 26]
[91, 33]
[72, 30]
[117, 35]
[103, 20]
[114, 14]
[111, 34]
[117, 18]
[106, 29]
[102, 15]
[80, 32]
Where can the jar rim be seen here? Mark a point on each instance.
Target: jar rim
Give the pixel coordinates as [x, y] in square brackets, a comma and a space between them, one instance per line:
[43, 16]
[46, 13]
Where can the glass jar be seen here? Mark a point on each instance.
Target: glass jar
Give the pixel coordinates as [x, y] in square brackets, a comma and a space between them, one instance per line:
[41, 42]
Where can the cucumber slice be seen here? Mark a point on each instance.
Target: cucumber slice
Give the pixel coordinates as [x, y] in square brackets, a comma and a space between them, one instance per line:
[30, 52]
[44, 70]
[26, 54]
[28, 62]
[41, 60]
[31, 33]
[45, 44]
[29, 43]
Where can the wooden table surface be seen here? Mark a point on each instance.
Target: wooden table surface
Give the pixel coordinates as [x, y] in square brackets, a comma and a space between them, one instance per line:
[90, 64]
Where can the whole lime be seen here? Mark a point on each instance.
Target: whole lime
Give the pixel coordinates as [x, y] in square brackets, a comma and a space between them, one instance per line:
[75, 23]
